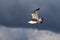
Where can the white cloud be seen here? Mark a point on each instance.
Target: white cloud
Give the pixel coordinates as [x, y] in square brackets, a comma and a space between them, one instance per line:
[27, 34]
[43, 35]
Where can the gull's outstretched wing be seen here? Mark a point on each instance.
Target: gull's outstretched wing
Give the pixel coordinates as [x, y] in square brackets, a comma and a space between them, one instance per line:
[35, 14]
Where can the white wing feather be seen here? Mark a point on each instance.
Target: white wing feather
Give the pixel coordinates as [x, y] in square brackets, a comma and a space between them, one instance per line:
[34, 15]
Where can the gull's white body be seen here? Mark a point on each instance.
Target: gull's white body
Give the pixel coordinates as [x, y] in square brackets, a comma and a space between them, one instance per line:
[32, 22]
[35, 22]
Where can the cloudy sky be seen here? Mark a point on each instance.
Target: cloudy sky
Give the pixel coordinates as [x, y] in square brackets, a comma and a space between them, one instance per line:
[14, 15]
[27, 34]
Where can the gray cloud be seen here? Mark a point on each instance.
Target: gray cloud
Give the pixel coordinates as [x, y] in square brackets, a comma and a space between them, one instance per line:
[27, 34]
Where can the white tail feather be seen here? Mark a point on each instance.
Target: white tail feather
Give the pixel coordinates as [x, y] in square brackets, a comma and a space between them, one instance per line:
[40, 20]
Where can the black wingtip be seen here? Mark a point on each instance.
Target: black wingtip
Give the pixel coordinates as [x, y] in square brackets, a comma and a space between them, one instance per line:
[37, 9]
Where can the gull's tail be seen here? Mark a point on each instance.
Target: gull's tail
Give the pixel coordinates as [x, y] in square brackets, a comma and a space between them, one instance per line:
[40, 20]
